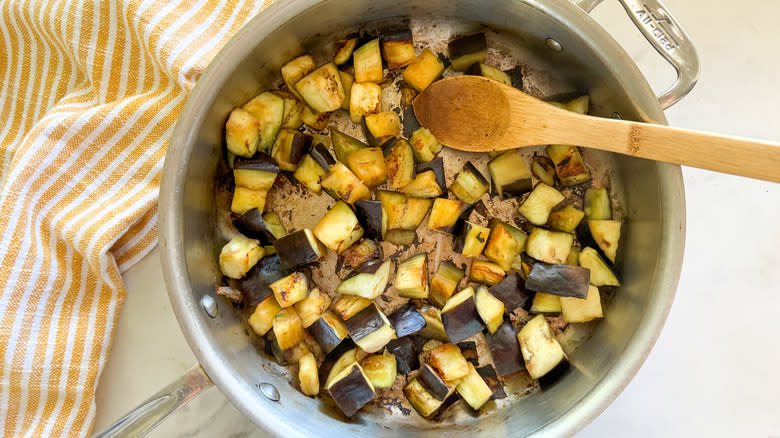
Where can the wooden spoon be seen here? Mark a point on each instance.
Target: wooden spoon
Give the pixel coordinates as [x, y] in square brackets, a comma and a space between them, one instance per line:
[472, 113]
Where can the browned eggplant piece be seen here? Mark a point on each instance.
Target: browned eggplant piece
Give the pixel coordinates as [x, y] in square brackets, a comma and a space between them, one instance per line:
[342, 184]
[541, 351]
[252, 225]
[312, 307]
[367, 60]
[490, 308]
[322, 156]
[487, 273]
[460, 317]
[399, 161]
[467, 50]
[328, 331]
[433, 383]
[449, 362]
[549, 246]
[351, 389]
[381, 369]
[381, 128]
[262, 319]
[366, 250]
[406, 354]
[298, 249]
[307, 375]
[488, 374]
[569, 166]
[401, 237]
[510, 174]
[344, 50]
[372, 216]
[490, 72]
[339, 228]
[601, 274]
[239, 255]
[505, 350]
[406, 320]
[561, 280]
[544, 169]
[368, 281]
[434, 328]
[370, 329]
[289, 147]
[511, 291]
[398, 48]
[470, 239]
[606, 233]
[469, 184]
[469, 351]
[446, 214]
[344, 145]
[506, 242]
[538, 205]
[437, 166]
[546, 304]
[444, 282]
[424, 145]
[290, 289]
[424, 185]
[579, 310]
[421, 400]
[566, 219]
[310, 173]
[275, 225]
[411, 277]
[347, 306]
[597, 204]
[473, 389]
[288, 328]
[255, 285]
[368, 164]
[425, 69]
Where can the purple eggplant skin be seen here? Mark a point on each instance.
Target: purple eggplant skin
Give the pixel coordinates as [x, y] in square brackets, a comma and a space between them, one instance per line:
[260, 161]
[462, 321]
[252, 225]
[331, 358]
[561, 280]
[554, 374]
[364, 323]
[294, 250]
[448, 402]
[481, 209]
[400, 34]
[488, 374]
[511, 291]
[433, 383]
[437, 166]
[407, 355]
[369, 267]
[406, 320]
[352, 392]
[516, 75]
[469, 351]
[301, 144]
[322, 156]
[325, 335]
[467, 45]
[410, 123]
[255, 284]
[505, 350]
[369, 214]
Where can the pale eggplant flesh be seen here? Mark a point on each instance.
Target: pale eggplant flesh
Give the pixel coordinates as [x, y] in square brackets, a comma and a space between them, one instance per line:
[437, 166]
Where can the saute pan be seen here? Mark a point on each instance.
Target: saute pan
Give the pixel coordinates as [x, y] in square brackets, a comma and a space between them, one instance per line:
[565, 50]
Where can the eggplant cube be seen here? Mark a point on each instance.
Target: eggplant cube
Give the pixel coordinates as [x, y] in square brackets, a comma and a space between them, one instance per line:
[489, 375]
[406, 354]
[505, 244]
[511, 291]
[569, 166]
[288, 328]
[342, 184]
[351, 389]
[307, 375]
[566, 219]
[467, 50]
[473, 389]
[406, 320]
[600, 272]
[382, 127]
[490, 72]
[309, 173]
[289, 148]
[490, 309]
[364, 98]
[561, 280]
[274, 224]
[445, 214]
[252, 225]
[546, 304]
[544, 169]
[262, 319]
[245, 199]
[444, 282]
[421, 400]
[411, 279]
[369, 165]
[368, 284]
[434, 328]
[597, 204]
[321, 89]
[347, 306]
[424, 145]
[290, 289]
[510, 174]
[449, 362]
[239, 255]
[549, 246]
[328, 331]
[469, 351]
[606, 233]
[256, 173]
[541, 351]
[298, 249]
[312, 307]
[242, 133]
[505, 350]
[380, 369]
[344, 50]
[470, 184]
[425, 69]
[344, 145]
[373, 217]
[368, 62]
[370, 329]
[582, 310]
[460, 316]
[365, 251]
[398, 48]
[316, 121]
[294, 70]
[487, 273]
[268, 109]
[400, 164]
[471, 240]
[433, 383]
[539, 203]
[424, 185]
[339, 228]
[255, 285]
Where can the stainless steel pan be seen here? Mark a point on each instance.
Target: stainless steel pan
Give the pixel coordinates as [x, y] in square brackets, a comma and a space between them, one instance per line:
[559, 38]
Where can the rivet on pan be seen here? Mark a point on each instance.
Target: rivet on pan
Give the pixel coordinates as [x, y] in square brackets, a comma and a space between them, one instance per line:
[209, 304]
[553, 45]
[617, 115]
[270, 391]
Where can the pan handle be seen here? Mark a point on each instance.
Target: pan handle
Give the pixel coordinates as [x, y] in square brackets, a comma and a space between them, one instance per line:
[666, 36]
[155, 409]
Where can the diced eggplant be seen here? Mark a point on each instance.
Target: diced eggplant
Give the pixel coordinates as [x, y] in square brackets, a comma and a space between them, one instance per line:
[289, 148]
[366, 250]
[381, 128]
[312, 307]
[257, 173]
[414, 213]
[469, 351]
[410, 122]
[597, 204]
[433, 383]
[291, 289]
[544, 169]
[510, 174]
[309, 173]
[473, 389]
[429, 345]
[424, 185]
[394, 205]
[569, 166]
[490, 309]
[262, 319]
[245, 199]
[339, 228]
[274, 224]
[364, 98]
[307, 375]
[268, 109]
[344, 361]
[398, 48]
[579, 105]
[347, 306]
[344, 50]
[511, 291]
[489, 375]
[369, 165]
[346, 82]
[600, 272]
[574, 257]
[537, 206]
[561, 280]
[437, 166]
[329, 331]
[351, 389]
[516, 74]
[239, 255]
[425, 69]
[288, 328]
[298, 249]
[342, 184]
[606, 234]
[546, 304]
[582, 310]
[367, 60]
[400, 164]
[367, 284]
[380, 369]
[541, 351]
[344, 145]
[296, 69]
[255, 285]
[242, 133]
[471, 239]
[449, 362]
[370, 329]
[549, 246]
[444, 283]
[469, 184]
[322, 89]
[421, 400]
[566, 219]
[505, 350]
[460, 317]
[446, 213]
[252, 225]
[316, 121]
[401, 237]
[411, 278]
[320, 153]
[406, 320]
[505, 243]
[371, 214]
[424, 145]
[406, 354]
[467, 50]
[490, 72]
[434, 328]
[295, 353]
[293, 109]
[487, 273]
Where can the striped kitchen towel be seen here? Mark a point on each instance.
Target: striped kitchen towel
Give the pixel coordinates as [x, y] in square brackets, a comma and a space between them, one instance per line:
[89, 94]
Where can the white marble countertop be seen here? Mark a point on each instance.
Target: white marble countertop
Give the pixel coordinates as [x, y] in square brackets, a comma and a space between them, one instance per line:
[713, 372]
